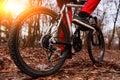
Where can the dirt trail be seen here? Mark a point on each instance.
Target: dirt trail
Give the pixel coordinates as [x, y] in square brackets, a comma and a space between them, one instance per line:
[77, 68]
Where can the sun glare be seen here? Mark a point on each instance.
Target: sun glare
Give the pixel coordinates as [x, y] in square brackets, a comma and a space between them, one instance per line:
[14, 6]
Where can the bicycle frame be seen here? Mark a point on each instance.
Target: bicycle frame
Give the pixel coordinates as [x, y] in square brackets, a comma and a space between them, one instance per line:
[65, 8]
[53, 49]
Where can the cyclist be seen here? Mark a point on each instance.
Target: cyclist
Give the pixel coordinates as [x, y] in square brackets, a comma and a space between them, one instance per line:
[87, 9]
[82, 16]
[84, 13]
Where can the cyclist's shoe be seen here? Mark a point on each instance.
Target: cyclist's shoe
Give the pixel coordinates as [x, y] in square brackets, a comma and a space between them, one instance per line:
[83, 22]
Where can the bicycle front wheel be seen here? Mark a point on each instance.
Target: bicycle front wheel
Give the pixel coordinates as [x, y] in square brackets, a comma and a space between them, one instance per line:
[96, 46]
[31, 45]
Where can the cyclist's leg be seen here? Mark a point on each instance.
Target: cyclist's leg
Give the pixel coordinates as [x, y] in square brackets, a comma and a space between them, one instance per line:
[60, 3]
[82, 17]
[90, 6]
[65, 22]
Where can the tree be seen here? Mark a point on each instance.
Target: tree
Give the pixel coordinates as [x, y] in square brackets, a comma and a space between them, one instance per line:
[114, 28]
[118, 34]
[6, 20]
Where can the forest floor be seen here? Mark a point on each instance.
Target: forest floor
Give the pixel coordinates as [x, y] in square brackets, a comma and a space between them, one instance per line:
[78, 68]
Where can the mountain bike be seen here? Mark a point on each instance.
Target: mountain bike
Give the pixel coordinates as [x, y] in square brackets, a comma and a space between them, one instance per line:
[38, 49]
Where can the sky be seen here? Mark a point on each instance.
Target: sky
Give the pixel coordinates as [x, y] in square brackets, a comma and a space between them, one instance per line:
[16, 6]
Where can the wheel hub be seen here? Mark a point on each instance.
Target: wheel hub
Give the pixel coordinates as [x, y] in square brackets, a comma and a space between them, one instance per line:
[45, 41]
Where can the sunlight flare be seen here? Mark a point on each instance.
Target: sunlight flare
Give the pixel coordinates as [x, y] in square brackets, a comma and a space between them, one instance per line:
[14, 6]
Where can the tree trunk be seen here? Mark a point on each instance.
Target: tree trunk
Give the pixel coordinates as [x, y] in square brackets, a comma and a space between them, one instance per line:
[111, 39]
